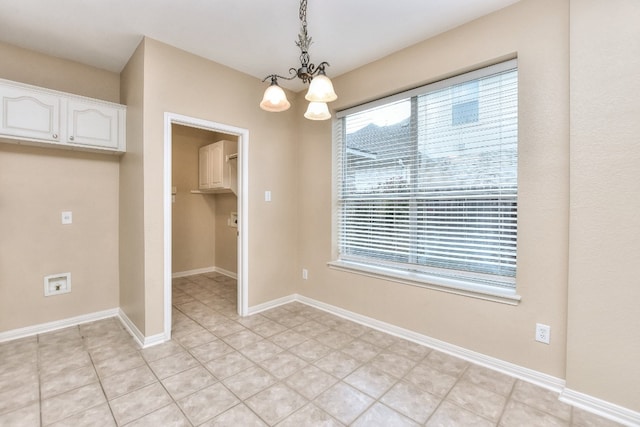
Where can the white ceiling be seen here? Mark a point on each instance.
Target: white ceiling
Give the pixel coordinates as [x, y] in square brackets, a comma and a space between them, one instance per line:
[256, 37]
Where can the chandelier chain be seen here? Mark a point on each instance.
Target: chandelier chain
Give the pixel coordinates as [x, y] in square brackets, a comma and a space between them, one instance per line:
[307, 70]
[303, 14]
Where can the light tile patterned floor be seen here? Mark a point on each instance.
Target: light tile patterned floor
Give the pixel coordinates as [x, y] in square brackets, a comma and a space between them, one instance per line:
[290, 366]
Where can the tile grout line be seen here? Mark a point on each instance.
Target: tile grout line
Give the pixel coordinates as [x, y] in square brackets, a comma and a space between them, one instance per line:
[84, 345]
[200, 292]
[240, 400]
[39, 379]
[258, 364]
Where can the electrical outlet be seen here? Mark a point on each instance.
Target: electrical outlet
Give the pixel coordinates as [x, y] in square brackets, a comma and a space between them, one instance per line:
[305, 273]
[543, 333]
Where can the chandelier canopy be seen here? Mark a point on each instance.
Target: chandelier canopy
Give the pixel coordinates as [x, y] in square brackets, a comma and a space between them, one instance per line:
[320, 87]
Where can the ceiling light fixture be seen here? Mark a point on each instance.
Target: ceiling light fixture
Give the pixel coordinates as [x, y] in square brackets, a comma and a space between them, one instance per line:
[320, 87]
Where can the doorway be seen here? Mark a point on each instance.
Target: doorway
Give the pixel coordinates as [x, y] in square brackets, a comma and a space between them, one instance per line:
[242, 136]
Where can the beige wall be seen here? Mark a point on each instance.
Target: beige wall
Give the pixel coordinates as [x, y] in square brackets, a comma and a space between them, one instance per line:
[226, 240]
[537, 32]
[201, 237]
[26, 66]
[37, 185]
[193, 226]
[182, 83]
[132, 226]
[603, 346]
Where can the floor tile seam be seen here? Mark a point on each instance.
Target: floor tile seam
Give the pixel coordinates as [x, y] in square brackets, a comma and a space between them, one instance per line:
[374, 401]
[570, 420]
[379, 402]
[173, 401]
[97, 380]
[125, 371]
[444, 397]
[506, 403]
[41, 400]
[283, 383]
[244, 401]
[399, 380]
[39, 381]
[405, 376]
[113, 416]
[138, 415]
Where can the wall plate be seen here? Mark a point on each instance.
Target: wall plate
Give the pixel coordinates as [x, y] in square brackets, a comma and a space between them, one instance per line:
[56, 284]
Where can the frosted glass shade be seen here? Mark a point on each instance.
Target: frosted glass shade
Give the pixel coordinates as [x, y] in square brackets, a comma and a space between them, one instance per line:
[274, 99]
[317, 111]
[321, 90]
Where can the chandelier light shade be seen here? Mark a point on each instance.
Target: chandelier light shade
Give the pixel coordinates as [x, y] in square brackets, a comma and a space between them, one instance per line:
[320, 87]
[274, 99]
[317, 111]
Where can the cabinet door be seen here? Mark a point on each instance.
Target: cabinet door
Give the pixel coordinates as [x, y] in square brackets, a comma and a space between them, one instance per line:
[29, 114]
[92, 124]
[203, 168]
[216, 163]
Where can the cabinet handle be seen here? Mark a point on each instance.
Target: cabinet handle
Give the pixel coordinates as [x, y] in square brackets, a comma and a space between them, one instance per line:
[71, 138]
[55, 136]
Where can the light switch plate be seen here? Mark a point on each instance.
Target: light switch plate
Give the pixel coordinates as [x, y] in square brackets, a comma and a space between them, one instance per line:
[67, 217]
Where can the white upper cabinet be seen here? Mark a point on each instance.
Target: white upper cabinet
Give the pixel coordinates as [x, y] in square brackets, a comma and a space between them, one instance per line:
[29, 115]
[33, 115]
[217, 167]
[93, 124]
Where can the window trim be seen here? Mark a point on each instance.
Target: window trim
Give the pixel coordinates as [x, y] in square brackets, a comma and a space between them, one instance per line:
[459, 286]
[454, 286]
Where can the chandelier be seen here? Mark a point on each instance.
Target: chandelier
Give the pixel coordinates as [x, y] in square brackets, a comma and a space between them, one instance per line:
[320, 87]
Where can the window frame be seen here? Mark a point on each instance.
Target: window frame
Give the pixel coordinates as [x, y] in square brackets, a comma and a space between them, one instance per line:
[467, 284]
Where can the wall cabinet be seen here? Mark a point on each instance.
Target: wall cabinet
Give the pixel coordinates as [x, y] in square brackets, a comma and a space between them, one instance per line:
[217, 167]
[37, 116]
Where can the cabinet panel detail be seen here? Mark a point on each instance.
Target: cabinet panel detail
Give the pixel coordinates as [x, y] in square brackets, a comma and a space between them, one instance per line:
[92, 125]
[30, 116]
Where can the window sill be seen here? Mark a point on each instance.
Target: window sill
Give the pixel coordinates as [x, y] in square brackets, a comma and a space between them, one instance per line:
[454, 286]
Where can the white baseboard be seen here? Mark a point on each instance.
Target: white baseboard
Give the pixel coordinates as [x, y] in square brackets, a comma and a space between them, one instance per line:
[588, 403]
[142, 341]
[271, 304]
[529, 375]
[193, 272]
[43, 328]
[226, 272]
[57, 324]
[600, 407]
[211, 269]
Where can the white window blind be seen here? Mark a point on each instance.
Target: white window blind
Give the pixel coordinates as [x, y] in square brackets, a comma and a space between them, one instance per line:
[427, 180]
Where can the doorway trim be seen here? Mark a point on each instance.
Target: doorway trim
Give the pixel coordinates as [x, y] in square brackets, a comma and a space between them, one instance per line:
[243, 207]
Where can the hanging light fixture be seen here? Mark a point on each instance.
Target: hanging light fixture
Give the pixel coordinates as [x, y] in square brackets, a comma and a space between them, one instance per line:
[320, 87]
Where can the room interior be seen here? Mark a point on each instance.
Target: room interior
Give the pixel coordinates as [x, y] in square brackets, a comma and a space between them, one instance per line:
[578, 206]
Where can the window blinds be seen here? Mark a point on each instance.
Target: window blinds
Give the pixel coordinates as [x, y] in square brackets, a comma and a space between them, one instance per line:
[427, 180]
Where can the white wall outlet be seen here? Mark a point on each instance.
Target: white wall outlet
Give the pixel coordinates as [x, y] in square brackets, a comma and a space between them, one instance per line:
[267, 196]
[67, 217]
[55, 284]
[543, 333]
[305, 273]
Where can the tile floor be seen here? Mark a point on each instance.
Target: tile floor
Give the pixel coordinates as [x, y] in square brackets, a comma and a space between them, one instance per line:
[290, 366]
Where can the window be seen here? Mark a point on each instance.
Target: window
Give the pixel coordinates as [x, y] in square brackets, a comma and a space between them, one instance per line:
[427, 183]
